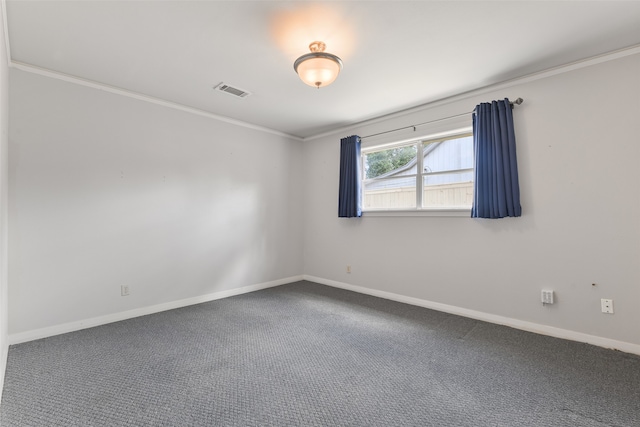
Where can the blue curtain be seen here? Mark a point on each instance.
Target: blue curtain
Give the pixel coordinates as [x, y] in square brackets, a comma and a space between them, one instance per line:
[349, 204]
[496, 191]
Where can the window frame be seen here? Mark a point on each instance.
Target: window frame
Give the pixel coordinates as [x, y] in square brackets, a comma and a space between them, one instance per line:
[419, 210]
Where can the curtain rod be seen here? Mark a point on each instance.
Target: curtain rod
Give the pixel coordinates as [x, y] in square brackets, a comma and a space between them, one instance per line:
[512, 103]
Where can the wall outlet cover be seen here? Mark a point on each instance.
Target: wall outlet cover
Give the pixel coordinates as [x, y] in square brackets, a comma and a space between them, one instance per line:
[547, 297]
[606, 305]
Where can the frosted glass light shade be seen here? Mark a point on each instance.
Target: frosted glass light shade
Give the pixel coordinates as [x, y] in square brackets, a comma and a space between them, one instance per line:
[318, 68]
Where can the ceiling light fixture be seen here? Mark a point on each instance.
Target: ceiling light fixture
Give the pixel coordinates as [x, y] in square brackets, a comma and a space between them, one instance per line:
[318, 68]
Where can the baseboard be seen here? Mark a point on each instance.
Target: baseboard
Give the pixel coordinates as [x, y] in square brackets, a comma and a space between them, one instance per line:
[473, 314]
[143, 311]
[487, 317]
[3, 364]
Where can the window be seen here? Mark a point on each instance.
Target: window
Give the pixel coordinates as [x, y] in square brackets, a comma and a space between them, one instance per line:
[424, 174]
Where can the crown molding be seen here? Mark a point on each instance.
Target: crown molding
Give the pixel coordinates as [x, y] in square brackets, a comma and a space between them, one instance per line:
[141, 97]
[609, 56]
[124, 92]
[594, 60]
[5, 28]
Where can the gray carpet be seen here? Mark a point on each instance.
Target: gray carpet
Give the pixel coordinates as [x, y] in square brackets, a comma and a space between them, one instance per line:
[304, 354]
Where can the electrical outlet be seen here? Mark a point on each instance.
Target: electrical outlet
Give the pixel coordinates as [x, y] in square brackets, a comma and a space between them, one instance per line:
[348, 269]
[607, 305]
[124, 290]
[546, 297]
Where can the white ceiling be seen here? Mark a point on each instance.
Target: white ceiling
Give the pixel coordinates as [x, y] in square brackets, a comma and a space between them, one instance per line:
[397, 54]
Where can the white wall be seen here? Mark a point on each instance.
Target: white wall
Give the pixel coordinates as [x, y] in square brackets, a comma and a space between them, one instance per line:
[107, 191]
[577, 136]
[4, 142]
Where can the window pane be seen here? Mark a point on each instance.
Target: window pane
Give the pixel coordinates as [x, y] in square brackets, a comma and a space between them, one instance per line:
[448, 173]
[448, 155]
[441, 175]
[390, 193]
[448, 190]
[391, 162]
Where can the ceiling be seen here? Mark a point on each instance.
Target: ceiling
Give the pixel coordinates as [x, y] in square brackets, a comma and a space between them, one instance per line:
[396, 54]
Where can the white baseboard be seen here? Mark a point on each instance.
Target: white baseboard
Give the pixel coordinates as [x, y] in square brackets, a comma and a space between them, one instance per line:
[473, 314]
[3, 363]
[487, 317]
[143, 311]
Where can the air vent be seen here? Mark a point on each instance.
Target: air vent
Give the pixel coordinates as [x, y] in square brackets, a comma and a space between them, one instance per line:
[234, 91]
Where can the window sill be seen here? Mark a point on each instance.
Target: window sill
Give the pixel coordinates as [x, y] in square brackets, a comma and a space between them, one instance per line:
[466, 213]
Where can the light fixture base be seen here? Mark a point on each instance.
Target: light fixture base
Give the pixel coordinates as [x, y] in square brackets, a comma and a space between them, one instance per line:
[317, 46]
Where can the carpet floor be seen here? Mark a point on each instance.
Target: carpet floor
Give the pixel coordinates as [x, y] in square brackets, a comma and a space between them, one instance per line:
[305, 354]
